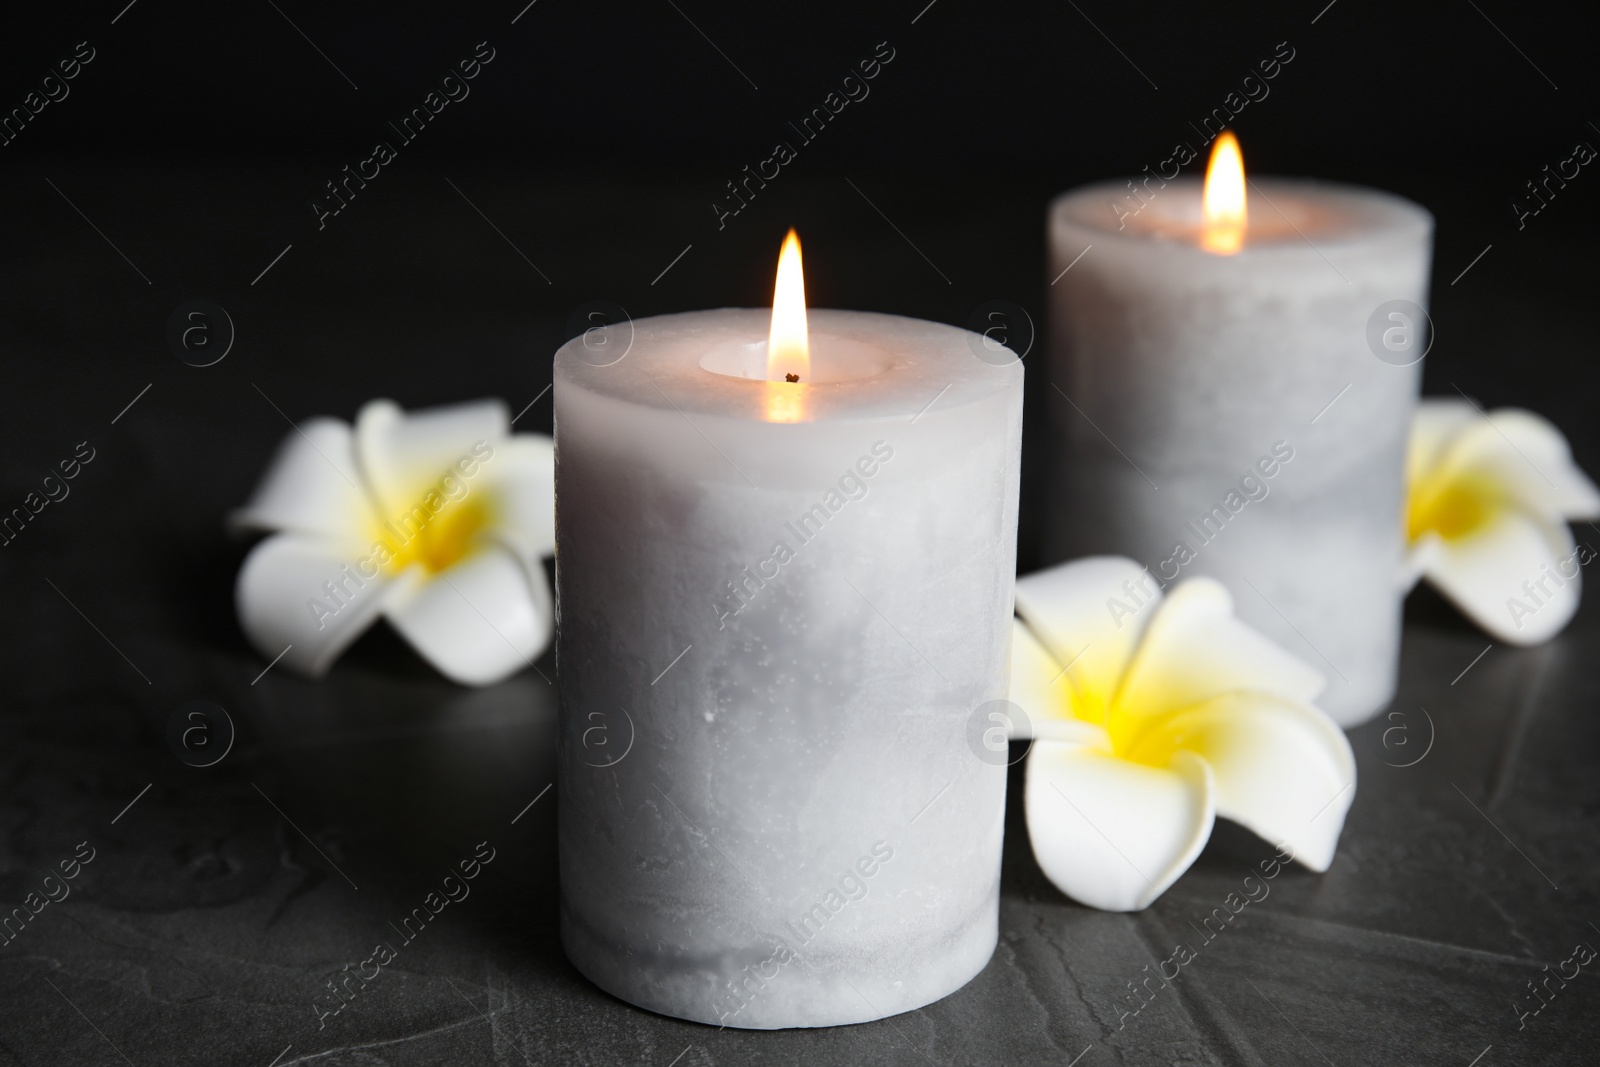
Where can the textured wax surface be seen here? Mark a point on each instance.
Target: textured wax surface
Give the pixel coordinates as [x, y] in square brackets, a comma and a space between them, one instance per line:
[1188, 369]
[795, 623]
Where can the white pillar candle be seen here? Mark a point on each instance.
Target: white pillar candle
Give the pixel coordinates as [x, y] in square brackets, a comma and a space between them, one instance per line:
[1199, 437]
[790, 598]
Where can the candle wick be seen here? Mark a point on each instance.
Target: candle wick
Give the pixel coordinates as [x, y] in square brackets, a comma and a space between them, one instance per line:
[791, 377]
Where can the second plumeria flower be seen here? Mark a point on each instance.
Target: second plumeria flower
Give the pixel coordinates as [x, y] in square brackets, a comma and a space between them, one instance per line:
[435, 520]
[1486, 520]
[1147, 728]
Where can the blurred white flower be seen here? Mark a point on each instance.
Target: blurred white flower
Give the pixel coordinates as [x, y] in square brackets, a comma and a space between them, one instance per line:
[1147, 727]
[435, 520]
[1486, 519]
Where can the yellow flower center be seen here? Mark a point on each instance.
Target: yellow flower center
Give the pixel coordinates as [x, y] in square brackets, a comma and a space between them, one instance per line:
[1130, 732]
[1146, 741]
[446, 538]
[1141, 738]
[1454, 509]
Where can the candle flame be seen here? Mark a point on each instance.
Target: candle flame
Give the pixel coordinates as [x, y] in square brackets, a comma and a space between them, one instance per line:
[788, 343]
[1223, 205]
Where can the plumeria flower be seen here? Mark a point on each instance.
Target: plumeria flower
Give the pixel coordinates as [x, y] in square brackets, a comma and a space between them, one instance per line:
[1486, 519]
[1147, 728]
[435, 520]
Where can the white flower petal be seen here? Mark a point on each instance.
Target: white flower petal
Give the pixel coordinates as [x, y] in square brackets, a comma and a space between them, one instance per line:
[1434, 428]
[1493, 575]
[1084, 613]
[1195, 649]
[521, 483]
[1419, 556]
[1039, 687]
[282, 601]
[405, 455]
[313, 485]
[481, 620]
[1113, 834]
[1074, 731]
[1529, 459]
[1281, 769]
[1033, 670]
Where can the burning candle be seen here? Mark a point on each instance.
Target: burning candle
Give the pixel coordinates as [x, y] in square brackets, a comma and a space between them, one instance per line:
[1227, 410]
[784, 563]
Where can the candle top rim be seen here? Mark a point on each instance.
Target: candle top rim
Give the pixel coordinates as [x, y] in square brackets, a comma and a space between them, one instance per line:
[1284, 214]
[916, 362]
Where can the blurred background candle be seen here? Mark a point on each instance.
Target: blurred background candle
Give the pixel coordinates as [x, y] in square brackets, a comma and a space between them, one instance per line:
[785, 552]
[1234, 371]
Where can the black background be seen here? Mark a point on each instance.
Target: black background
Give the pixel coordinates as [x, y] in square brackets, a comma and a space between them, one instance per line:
[596, 142]
[600, 137]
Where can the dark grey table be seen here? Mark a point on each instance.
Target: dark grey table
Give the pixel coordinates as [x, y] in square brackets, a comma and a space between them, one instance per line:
[221, 901]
